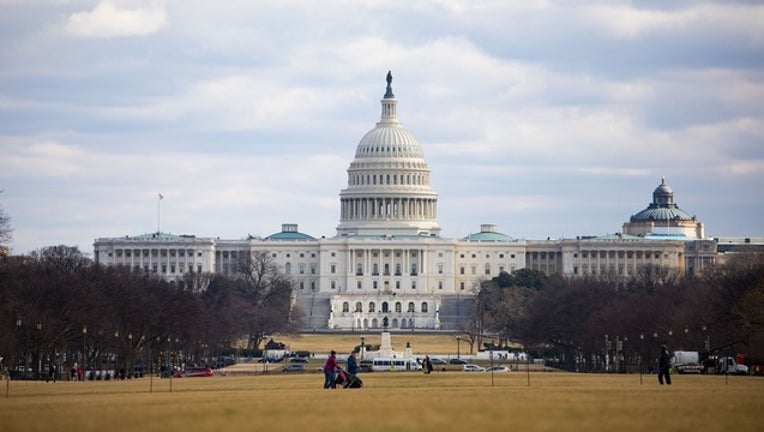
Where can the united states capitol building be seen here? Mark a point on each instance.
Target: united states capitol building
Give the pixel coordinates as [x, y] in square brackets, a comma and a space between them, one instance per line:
[388, 262]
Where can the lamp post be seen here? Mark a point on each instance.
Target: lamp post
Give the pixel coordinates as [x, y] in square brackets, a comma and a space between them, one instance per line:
[19, 323]
[39, 349]
[115, 371]
[83, 360]
[706, 339]
[363, 346]
[130, 368]
[458, 346]
[655, 346]
[641, 354]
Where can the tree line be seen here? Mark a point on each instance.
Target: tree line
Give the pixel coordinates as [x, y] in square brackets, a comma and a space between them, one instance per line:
[58, 307]
[589, 324]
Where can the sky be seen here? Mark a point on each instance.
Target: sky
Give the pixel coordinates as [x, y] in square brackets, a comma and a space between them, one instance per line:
[549, 119]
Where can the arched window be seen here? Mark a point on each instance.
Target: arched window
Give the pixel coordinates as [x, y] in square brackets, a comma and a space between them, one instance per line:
[398, 307]
[372, 308]
[413, 269]
[487, 268]
[411, 307]
[359, 269]
[375, 269]
[288, 268]
[345, 307]
[385, 307]
[424, 307]
[398, 269]
[358, 307]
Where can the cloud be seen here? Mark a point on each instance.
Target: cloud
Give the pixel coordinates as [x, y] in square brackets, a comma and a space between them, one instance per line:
[108, 20]
[628, 22]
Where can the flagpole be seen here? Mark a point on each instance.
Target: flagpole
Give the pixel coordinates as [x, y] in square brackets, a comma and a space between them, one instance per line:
[159, 201]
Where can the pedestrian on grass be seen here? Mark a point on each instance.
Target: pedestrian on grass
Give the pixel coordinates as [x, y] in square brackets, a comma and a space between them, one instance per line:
[351, 368]
[427, 365]
[330, 369]
[664, 366]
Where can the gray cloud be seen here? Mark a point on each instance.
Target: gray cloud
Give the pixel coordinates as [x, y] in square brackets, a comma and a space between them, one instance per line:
[548, 119]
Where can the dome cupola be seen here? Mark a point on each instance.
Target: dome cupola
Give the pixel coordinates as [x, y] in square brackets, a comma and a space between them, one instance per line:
[388, 190]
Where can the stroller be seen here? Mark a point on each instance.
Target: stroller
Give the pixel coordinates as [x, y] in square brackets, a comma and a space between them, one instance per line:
[348, 380]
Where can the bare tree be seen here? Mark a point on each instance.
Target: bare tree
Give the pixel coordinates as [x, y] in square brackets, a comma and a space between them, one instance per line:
[265, 299]
[6, 232]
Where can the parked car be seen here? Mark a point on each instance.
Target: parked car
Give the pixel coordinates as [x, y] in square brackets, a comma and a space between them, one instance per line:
[191, 372]
[436, 361]
[457, 361]
[298, 360]
[498, 369]
[472, 368]
[294, 367]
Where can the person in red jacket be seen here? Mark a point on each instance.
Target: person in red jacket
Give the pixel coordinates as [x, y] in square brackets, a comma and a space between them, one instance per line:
[330, 368]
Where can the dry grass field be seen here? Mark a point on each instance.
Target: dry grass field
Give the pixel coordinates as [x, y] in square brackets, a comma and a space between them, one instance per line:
[443, 401]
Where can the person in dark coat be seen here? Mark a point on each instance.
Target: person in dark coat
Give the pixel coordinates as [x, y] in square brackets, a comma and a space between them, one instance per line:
[664, 366]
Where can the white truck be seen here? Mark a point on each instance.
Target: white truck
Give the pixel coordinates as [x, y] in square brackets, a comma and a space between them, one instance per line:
[728, 366]
[686, 362]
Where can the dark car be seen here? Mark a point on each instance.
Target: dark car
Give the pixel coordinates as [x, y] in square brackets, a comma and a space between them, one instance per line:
[292, 368]
[298, 360]
[437, 361]
[457, 361]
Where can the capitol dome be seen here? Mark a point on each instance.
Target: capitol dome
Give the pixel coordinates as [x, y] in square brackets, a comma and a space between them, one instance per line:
[388, 190]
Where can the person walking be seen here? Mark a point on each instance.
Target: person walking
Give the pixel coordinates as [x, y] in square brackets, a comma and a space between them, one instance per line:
[664, 366]
[427, 365]
[330, 369]
[351, 368]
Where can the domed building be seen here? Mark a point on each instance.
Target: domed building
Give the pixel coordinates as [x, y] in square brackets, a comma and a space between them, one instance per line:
[388, 182]
[663, 218]
[388, 266]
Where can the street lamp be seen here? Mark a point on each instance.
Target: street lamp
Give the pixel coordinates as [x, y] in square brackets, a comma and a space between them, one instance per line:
[84, 351]
[458, 348]
[39, 348]
[129, 366]
[641, 354]
[116, 350]
[706, 340]
[19, 323]
[363, 346]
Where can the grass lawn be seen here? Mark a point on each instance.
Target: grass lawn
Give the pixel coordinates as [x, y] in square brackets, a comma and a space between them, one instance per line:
[443, 401]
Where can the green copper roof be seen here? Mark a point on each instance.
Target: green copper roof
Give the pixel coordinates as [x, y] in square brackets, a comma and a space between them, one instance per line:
[289, 235]
[489, 237]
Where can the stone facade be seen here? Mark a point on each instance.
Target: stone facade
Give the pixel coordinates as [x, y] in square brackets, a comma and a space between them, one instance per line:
[388, 262]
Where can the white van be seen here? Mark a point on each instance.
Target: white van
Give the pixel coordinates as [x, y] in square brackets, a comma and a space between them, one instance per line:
[395, 365]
